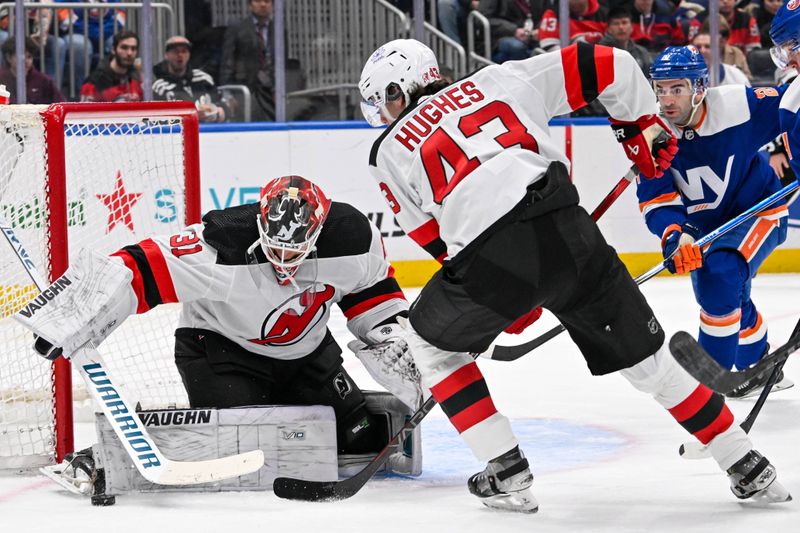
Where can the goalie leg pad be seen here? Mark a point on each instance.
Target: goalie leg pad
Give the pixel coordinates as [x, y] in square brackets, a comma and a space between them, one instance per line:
[297, 441]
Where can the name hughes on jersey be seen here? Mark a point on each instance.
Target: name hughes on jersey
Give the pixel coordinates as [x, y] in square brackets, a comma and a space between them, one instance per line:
[421, 123]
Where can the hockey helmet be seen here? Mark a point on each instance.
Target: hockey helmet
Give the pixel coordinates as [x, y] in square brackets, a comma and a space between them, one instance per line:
[785, 33]
[395, 70]
[290, 220]
[681, 62]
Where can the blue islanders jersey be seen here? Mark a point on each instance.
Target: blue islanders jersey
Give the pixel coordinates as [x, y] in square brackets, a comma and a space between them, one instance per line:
[790, 125]
[717, 173]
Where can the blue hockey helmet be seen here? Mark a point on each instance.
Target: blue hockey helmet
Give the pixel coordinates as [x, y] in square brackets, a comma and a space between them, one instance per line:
[785, 33]
[681, 62]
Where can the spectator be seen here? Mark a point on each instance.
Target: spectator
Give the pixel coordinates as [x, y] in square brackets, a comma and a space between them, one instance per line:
[619, 34]
[728, 73]
[743, 29]
[654, 25]
[39, 22]
[587, 22]
[39, 89]
[174, 80]
[452, 16]
[100, 23]
[248, 57]
[511, 27]
[116, 79]
[763, 13]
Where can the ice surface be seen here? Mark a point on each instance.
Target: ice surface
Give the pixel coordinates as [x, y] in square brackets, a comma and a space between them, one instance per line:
[605, 458]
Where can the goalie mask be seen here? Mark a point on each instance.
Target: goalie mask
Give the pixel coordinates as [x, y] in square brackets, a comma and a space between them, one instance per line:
[394, 71]
[289, 222]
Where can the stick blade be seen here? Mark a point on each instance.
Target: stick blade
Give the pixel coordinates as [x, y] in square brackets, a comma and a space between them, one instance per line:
[193, 472]
[309, 491]
[694, 359]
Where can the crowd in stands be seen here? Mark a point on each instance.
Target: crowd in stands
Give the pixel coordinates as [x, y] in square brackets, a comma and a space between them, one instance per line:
[98, 58]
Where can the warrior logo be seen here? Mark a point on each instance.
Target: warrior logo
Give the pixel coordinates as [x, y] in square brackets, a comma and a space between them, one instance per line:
[296, 317]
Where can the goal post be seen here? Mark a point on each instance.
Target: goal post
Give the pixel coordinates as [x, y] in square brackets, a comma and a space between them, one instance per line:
[99, 175]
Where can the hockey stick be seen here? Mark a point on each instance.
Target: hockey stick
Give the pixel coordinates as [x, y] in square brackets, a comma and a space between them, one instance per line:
[511, 353]
[695, 360]
[121, 413]
[695, 450]
[330, 491]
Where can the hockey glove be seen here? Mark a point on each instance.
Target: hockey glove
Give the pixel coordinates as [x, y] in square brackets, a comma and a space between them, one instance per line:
[389, 362]
[524, 321]
[679, 248]
[639, 140]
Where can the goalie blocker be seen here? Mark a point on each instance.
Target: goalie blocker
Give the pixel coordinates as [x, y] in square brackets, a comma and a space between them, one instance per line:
[297, 441]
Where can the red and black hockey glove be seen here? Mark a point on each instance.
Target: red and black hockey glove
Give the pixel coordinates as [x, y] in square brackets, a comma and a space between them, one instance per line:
[519, 325]
[642, 146]
[680, 241]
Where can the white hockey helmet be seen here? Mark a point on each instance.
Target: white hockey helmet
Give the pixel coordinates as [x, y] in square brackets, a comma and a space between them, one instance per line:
[396, 69]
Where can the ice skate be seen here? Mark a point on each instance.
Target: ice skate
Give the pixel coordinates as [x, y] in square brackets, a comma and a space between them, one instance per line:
[753, 387]
[754, 478]
[505, 484]
[76, 472]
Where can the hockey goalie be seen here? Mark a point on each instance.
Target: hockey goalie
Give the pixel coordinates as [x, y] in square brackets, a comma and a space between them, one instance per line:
[252, 345]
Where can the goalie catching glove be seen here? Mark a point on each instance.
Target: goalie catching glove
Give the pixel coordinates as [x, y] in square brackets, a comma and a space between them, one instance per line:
[86, 304]
[389, 362]
[679, 248]
[640, 142]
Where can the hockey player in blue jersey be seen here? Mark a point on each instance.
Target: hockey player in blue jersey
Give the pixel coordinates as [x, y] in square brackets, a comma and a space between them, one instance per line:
[785, 33]
[716, 175]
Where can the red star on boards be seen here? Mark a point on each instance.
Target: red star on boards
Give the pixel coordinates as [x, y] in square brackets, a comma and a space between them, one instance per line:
[119, 203]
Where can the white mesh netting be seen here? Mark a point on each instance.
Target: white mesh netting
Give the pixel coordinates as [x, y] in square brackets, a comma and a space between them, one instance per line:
[124, 182]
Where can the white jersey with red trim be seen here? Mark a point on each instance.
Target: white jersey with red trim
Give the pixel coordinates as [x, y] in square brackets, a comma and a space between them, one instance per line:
[207, 268]
[455, 162]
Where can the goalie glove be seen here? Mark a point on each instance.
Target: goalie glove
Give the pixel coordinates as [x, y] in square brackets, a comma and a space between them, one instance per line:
[87, 303]
[389, 362]
[642, 146]
[679, 248]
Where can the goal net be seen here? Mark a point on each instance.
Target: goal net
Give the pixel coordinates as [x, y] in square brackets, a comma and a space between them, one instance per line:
[87, 175]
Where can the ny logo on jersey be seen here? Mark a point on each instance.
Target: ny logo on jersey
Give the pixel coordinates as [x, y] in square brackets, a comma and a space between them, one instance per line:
[292, 320]
[692, 189]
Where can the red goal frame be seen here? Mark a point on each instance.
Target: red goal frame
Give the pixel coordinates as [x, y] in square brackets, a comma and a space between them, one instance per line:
[55, 117]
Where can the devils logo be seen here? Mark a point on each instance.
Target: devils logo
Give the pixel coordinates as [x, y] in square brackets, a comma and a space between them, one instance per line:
[294, 318]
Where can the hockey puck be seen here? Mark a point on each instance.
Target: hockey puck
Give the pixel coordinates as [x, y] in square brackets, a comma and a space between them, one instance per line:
[681, 450]
[103, 500]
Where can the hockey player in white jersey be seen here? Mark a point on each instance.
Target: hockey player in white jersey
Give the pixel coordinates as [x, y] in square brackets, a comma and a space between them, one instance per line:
[257, 283]
[472, 175]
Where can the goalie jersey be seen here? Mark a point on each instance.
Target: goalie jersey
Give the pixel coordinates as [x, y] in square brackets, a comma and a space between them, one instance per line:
[226, 290]
[487, 136]
[717, 173]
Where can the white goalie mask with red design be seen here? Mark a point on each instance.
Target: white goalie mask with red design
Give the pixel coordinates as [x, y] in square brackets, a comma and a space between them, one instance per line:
[289, 222]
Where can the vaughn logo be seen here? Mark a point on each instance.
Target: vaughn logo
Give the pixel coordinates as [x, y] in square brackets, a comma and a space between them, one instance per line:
[48, 294]
[176, 418]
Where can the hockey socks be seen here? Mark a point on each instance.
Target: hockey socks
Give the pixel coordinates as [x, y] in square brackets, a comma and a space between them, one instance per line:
[466, 401]
[703, 414]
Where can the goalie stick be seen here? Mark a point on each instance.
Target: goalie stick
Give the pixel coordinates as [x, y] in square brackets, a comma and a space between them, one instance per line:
[121, 413]
[692, 357]
[511, 353]
[318, 491]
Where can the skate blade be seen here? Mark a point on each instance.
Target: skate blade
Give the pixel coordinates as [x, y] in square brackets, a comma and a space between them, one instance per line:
[774, 493]
[75, 486]
[518, 502]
